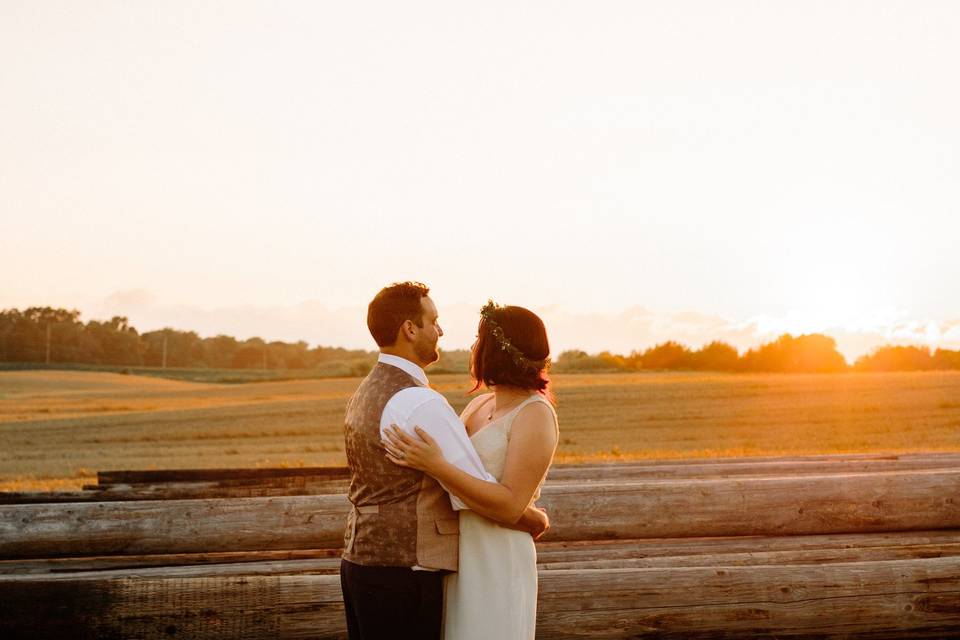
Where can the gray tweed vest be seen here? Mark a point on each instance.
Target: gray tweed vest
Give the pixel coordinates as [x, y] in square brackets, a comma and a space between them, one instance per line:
[400, 517]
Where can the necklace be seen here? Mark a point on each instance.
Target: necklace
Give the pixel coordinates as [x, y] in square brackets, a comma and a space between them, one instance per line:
[494, 409]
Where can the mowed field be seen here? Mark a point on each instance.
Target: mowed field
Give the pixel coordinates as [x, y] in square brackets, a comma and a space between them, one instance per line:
[57, 428]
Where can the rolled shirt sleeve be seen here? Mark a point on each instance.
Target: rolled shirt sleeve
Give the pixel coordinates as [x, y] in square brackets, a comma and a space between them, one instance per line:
[430, 411]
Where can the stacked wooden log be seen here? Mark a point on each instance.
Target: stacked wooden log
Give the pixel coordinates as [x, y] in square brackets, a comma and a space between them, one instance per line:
[818, 546]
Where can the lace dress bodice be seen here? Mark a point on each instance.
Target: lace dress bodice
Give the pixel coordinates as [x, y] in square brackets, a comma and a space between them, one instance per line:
[492, 440]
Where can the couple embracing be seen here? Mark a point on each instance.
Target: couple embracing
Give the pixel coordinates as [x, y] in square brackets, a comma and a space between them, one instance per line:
[440, 537]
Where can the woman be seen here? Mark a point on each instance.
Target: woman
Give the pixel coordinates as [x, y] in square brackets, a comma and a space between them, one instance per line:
[514, 430]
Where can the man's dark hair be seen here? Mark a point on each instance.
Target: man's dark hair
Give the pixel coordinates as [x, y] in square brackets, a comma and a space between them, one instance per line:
[394, 305]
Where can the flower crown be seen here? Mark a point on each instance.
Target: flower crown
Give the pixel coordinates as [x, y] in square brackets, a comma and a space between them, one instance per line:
[505, 345]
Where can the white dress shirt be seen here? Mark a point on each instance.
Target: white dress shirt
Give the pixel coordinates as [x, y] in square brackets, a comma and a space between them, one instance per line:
[426, 408]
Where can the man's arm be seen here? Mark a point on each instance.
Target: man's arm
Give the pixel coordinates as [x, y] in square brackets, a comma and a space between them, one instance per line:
[532, 444]
[433, 414]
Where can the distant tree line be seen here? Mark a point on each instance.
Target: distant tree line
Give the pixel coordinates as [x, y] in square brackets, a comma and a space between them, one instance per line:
[34, 334]
[811, 353]
[46, 334]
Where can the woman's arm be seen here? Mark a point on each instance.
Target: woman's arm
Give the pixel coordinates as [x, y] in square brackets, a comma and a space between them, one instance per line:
[533, 440]
[534, 520]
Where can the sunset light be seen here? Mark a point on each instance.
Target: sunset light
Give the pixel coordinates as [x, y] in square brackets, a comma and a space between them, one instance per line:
[480, 321]
[266, 177]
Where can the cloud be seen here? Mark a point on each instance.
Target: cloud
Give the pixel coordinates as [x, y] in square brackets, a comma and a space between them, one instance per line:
[129, 299]
[638, 328]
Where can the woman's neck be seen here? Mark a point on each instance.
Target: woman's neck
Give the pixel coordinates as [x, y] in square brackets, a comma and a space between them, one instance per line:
[507, 395]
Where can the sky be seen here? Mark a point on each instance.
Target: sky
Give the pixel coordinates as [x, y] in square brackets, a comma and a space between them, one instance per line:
[632, 171]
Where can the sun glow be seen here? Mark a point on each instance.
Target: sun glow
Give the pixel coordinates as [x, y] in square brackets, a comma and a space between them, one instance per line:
[660, 164]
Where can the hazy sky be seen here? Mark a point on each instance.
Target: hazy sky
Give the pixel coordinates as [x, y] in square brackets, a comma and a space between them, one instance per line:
[633, 170]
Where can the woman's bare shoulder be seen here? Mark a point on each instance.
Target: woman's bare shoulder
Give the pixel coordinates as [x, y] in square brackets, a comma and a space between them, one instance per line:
[536, 416]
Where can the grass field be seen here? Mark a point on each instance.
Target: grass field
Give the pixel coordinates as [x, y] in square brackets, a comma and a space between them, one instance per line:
[57, 428]
[186, 374]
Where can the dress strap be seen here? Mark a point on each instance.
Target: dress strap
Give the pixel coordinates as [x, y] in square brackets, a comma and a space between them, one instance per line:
[536, 397]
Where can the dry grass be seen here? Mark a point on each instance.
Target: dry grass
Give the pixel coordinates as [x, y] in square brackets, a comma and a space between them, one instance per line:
[57, 428]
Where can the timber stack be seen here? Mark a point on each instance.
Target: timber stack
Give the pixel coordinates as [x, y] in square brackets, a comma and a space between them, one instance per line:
[803, 547]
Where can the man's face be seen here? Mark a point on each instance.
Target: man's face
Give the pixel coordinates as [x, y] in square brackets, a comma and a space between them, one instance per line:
[425, 344]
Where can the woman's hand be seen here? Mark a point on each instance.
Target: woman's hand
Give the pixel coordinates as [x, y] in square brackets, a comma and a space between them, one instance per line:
[422, 453]
[539, 522]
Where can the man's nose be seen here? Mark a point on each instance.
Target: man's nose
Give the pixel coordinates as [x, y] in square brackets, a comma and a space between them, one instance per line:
[439, 331]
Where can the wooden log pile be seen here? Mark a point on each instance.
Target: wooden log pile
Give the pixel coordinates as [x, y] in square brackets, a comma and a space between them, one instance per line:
[803, 547]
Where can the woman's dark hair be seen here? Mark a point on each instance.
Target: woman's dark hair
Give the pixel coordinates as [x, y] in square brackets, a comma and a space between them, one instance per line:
[393, 306]
[492, 365]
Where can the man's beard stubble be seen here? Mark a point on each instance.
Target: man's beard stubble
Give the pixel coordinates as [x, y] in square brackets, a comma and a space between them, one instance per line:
[427, 353]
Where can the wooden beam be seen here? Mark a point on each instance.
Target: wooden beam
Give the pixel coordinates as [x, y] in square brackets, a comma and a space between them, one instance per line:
[747, 467]
[296, 486]
[607, 550]
[38, 566]
[307, 606]
[301, 484]
[245, 483]
[307, 485]
[204, 475]
[172, 526]
[758, 556]
[682, 468]
[550, 554]
[850, 503]
[854, 503]
[887, 598]
[302, 566]
[729, 553]
[893, 599]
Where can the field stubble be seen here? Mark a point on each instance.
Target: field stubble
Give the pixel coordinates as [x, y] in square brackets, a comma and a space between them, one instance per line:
[57, 428]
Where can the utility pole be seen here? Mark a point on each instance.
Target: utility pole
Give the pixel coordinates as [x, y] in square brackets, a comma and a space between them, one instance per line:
[164, 361]
[48, 343]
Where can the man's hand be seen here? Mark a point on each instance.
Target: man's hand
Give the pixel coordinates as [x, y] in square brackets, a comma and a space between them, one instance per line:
[535, 522]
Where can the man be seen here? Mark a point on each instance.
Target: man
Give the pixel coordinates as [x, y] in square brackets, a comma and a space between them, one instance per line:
[402, 532]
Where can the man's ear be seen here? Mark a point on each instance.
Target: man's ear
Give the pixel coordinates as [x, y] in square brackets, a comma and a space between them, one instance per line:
[409, 330]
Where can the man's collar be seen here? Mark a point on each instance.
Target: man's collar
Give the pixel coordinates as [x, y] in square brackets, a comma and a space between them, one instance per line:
[405, 365]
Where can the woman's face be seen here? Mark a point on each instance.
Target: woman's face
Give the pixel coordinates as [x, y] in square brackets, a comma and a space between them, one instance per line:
[476, 339]
[473, 349]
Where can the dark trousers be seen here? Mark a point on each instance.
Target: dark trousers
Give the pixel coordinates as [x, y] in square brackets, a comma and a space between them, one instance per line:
[389, 603]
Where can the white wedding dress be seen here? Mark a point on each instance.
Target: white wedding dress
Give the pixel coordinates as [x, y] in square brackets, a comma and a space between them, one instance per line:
[493, 596]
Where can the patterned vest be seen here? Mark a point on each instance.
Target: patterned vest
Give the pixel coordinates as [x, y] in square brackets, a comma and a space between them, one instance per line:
[400, 517]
